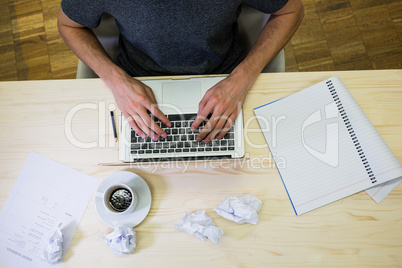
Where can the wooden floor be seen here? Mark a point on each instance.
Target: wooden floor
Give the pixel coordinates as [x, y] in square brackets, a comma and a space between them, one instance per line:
[335, 35]
[347, 35]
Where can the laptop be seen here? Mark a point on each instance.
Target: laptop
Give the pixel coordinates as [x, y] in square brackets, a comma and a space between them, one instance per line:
[178, 99]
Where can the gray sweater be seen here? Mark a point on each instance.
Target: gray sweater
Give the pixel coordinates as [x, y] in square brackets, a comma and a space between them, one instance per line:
[172, 37]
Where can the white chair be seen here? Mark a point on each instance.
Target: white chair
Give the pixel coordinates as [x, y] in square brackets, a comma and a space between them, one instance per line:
[250, 23]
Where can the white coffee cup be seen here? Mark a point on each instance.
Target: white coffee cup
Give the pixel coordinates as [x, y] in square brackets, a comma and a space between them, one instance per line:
[120, 199]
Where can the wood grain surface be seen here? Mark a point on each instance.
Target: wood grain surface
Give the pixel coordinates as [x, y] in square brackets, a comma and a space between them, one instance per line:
[352, 232]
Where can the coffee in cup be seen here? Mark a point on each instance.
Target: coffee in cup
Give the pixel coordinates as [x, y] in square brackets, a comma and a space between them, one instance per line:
[120, 198]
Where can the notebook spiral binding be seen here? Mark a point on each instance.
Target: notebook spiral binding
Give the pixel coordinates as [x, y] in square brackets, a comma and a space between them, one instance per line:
[351, 131]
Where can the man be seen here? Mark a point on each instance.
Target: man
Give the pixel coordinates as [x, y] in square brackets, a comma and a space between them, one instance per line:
[161, 37]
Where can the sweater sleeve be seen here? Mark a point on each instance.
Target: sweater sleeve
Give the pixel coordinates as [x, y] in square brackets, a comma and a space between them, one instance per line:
[267, 6]
[85, 12]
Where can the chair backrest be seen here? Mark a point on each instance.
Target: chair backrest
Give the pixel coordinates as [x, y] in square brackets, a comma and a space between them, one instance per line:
[108, 35]
[251, 22]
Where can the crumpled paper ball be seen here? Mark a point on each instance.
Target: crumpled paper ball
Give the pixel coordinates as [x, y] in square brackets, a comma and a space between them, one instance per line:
[122, 240]
[240, 209]
[53, 251]
[200, 225]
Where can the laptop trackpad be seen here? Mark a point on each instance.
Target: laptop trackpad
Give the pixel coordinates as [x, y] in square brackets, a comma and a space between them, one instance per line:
[180, 97]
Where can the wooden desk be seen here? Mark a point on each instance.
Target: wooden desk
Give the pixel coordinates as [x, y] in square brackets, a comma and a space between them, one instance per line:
[354, 231]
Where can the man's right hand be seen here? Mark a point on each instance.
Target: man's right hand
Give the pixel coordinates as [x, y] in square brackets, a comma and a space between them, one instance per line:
[134, 100]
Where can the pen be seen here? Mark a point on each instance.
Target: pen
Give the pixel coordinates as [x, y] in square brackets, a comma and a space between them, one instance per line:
[114, 125]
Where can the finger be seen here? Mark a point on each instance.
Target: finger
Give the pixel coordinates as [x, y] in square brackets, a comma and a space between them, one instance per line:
[218, 127]
[208, 128]
[229, 123]
[202, 115]
[160, 115]
[143, 126]
[204, 132]
[134, 126]
[151, 124]
[204, 100]
[156, 111]
[203, 110]
[153, 108]
[216, 122]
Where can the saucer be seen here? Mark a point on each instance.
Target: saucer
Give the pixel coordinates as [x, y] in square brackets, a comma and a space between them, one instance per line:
[141, 210]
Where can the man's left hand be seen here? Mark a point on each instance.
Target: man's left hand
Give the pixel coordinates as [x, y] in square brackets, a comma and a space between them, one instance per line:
[224, 101]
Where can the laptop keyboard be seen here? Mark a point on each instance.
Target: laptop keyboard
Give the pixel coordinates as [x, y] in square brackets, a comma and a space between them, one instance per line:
[180, 138]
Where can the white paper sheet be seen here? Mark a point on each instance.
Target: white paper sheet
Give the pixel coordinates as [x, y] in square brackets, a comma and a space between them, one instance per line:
[240, 209]
[45, 194]
[379, 192]
[200, 225]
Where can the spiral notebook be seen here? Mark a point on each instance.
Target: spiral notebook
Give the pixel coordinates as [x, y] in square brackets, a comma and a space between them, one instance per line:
[325, 147]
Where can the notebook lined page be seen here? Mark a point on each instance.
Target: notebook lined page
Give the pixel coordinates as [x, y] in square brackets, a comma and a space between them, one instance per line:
[309, 134]
[383, 162]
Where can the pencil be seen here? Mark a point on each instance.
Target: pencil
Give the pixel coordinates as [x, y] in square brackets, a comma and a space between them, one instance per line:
[114, 125]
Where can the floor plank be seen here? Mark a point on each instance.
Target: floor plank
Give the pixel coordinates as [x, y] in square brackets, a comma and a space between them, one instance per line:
[309, 44]
[62, 60]
[8, 66]
[343, 35]
[32, 56]
[378, 33]
[359, 35]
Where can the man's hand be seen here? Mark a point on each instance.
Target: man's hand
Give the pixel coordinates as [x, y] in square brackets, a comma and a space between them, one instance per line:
[134, 100]
[226, 98]
[224, 101]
